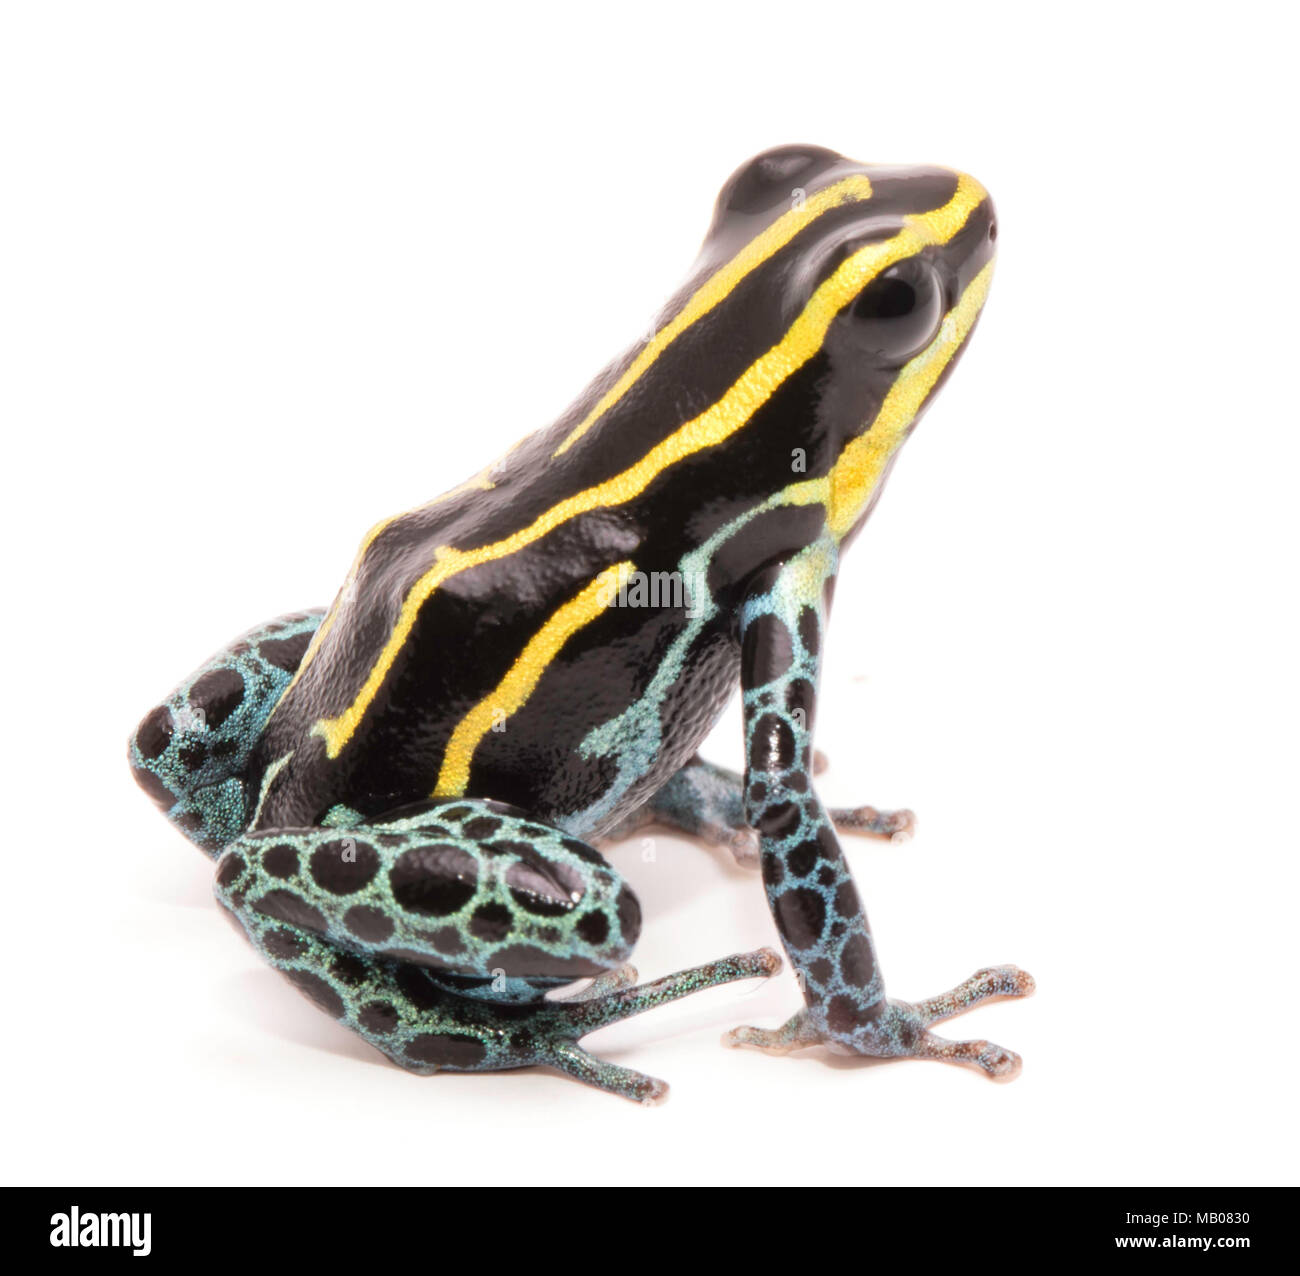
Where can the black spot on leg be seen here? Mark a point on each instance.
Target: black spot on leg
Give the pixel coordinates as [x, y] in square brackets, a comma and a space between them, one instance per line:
[369, 924]
[800, 916]
[280, 861]
[490, 923]
[801, 860]
[343, 866]
[582, 850]
[378, 1017]
[446, 1050]
[154, 734]
[317, 990]
[229, 868]
[218, 694]
[857, 966]
[447, 940]
[349, 969]
[801, 700]
[773, 868]
[809, 630]
[192, 756]
[847, 903]
[628, 908]
[593, 929]
[283, 944]
[480, 828]
[780, 820]
[772, 745]
[434, 880]
[844, 1017]
[767, 651]
[418, 988]
[161, 795]
[284, 653]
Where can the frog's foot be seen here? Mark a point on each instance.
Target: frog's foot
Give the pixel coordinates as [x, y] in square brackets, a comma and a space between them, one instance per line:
[565, 1023]
[901, 1030]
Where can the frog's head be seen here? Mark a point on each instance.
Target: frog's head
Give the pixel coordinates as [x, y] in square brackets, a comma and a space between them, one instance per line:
[868, 279]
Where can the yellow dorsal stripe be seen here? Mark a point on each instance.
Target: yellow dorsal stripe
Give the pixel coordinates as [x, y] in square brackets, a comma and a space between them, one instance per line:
[720, 285]
[480, 482]
[521, 679]
[858, 471]
[714, 425]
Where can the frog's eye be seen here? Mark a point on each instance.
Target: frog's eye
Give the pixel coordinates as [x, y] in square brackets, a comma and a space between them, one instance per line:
[898, 313]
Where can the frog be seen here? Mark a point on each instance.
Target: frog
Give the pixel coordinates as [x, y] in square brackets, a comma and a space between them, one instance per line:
[409, 795]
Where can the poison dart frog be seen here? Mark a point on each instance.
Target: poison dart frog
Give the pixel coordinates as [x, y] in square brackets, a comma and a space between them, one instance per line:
[403, 794]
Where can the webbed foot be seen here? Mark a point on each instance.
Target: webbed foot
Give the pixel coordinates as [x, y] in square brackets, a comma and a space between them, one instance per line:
[901, 1029]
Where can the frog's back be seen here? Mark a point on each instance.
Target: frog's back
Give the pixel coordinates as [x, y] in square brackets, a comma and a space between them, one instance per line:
[474, 648]
[481, 640]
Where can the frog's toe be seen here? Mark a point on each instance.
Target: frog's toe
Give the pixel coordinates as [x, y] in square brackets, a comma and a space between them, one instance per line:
[574, 1061]
[744, 846]
[898, 826]
[794, 1034]
[996, 1062]
[615, 996]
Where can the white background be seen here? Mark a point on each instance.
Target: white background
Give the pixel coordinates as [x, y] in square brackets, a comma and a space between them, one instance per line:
[271, 272]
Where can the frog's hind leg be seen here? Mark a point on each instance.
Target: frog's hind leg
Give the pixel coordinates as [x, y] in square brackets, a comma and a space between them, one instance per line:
[708, 801]
[190, 751]
[435, 934]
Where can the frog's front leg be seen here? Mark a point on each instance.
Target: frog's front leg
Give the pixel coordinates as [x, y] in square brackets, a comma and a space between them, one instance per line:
[436, 932]
[809, 887]
[708, 801]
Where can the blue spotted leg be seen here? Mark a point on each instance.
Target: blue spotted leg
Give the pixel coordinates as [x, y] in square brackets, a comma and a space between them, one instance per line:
[810, 890]
[707, 801]
[190, 752]
[436, 933]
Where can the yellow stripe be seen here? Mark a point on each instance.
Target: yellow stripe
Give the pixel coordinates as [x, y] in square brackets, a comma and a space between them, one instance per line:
[858, 471]
[480, 482]
[717, 423]
[720, 285]
[522, 677]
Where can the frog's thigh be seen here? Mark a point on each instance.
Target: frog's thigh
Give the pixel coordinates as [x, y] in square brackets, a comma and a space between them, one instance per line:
[493, 904]
[190, 750]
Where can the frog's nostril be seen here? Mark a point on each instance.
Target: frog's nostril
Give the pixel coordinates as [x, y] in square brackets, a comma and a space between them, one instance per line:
[993, 231]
